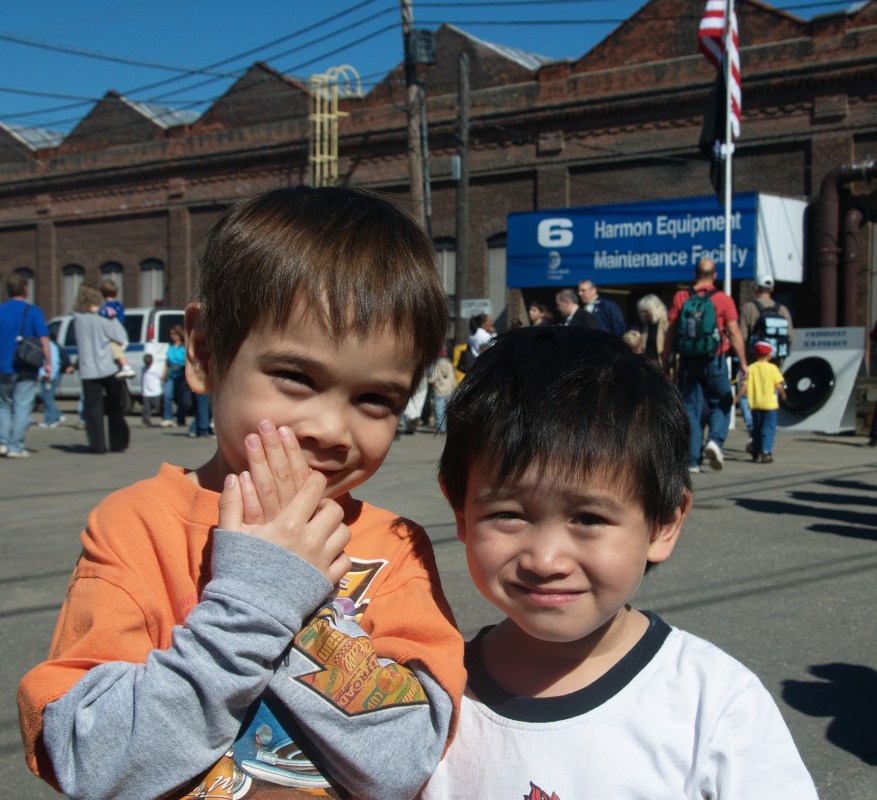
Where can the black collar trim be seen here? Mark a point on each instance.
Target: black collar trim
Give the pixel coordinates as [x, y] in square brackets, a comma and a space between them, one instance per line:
[556, 709]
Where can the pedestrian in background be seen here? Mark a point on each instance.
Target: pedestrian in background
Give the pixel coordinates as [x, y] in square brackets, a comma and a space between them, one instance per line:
[653, 316]
[175, 388]
[18, 380]
[151, 389]
[763, 383]
[443, 380]
[49, 380]
[101, 390]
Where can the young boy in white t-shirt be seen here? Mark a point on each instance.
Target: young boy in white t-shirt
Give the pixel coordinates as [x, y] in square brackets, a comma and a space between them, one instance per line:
[566, 464]
[151, 389]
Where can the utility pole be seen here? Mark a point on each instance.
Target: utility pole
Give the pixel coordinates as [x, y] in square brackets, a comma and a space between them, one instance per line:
[461, 275]
[413, 104]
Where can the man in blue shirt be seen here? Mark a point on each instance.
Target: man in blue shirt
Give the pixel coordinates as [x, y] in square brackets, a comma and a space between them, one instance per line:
[18, 381]
[608, 313]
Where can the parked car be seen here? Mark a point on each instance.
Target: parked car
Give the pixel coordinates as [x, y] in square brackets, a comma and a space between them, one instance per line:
[148, 332]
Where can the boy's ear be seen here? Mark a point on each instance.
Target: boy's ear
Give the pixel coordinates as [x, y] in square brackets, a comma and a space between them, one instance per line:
[458, 515]
[198, 353]
[461, 526]
[664, 537]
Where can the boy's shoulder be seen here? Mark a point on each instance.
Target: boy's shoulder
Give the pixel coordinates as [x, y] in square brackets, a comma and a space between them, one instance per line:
[161, 506]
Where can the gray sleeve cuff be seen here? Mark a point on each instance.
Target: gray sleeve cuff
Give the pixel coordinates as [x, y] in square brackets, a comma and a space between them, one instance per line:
[268, 577]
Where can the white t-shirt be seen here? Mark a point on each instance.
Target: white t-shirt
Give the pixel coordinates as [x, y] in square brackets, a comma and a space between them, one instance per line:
[478, 339]
[150, 384]
[675, 718]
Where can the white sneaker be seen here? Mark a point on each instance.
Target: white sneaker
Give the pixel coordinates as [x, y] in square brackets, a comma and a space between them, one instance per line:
[167, 423]
[3, 450]
[126, 372]
[714, 454]
[18, 454]
[695, 470]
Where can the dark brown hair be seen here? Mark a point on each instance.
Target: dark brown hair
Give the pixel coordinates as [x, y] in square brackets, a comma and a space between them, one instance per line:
[353, 260]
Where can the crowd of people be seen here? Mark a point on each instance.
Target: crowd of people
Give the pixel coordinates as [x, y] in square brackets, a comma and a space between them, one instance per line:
[101, 338]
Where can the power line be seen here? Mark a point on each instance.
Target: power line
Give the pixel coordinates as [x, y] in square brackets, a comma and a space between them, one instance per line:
[75, 51]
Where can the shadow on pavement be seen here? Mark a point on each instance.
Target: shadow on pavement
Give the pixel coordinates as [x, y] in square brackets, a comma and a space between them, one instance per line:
[846, 692]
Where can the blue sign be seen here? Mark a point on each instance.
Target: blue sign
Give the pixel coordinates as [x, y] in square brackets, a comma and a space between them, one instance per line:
[649, 242]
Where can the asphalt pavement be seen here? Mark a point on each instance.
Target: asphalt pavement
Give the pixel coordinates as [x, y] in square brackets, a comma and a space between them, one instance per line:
[776, 565]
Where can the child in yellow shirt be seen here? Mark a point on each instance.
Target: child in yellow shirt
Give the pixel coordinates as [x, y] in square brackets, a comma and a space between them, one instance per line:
[764, 383]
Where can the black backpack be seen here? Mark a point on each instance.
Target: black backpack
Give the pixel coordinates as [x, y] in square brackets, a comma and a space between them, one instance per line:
[771, 326]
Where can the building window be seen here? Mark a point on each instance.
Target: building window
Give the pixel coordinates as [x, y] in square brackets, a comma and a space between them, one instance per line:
[446, 257]
[113, 271]
[27, 274]
[151, 282]
[496, 277]
[74, 275]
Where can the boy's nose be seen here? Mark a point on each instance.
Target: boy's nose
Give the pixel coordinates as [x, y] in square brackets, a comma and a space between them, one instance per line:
[545, 556]
[327, 428]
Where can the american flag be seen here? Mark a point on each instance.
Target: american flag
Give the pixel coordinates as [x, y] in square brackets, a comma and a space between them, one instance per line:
[715, 31]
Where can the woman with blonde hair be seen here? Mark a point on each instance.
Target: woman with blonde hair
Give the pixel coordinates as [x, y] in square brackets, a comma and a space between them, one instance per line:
[653, 314]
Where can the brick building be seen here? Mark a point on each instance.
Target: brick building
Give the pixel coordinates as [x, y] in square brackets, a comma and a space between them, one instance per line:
[131, 191]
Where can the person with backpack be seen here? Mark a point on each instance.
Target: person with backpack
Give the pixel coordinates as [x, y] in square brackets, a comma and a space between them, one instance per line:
[703, 330]
[764, 319]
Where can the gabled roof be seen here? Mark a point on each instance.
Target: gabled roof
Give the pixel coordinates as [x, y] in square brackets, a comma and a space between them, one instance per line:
[260, 95]
[33, 138]
[116, 120]
[523, 58]
[163, 117]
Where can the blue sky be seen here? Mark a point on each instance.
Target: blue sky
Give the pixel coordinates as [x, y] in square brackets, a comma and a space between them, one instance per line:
[54, 88]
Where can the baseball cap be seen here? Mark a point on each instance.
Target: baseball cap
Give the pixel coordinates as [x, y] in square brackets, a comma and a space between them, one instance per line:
[765, 283]
[763, 349]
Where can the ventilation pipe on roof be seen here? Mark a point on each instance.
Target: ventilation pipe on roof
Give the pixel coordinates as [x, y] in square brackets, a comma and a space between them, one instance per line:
[828, 249]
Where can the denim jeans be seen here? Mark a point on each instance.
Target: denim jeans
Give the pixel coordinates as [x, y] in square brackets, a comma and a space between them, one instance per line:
[764, 428]
[174, 392]
[706, 390]
[439, 404]
[51, 413]
[746, 412]
[201, 420]
[17, 393]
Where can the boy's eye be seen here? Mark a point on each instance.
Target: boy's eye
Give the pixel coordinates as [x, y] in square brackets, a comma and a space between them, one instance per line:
[296, 377]
[382, 402]
[589, 520]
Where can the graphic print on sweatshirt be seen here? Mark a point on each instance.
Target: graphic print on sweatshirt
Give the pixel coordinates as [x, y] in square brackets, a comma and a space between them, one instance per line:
[334, 661]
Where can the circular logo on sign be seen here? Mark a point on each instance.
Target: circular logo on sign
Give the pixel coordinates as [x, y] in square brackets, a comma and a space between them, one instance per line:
[553, 259]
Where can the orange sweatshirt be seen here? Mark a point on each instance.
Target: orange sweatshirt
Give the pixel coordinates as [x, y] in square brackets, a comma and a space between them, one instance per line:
[149, 556]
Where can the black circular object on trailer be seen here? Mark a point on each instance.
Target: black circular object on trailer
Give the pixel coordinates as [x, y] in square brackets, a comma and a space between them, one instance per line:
[809, 384]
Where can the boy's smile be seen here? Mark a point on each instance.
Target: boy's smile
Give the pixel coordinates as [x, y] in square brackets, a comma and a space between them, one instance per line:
[560, 558]
[342, 400]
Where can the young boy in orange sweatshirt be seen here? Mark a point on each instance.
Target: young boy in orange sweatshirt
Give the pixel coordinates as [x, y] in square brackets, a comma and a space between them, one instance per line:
[304, 644]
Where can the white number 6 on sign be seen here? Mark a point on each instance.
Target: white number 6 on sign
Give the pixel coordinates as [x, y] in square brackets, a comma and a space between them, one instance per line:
[555, 232]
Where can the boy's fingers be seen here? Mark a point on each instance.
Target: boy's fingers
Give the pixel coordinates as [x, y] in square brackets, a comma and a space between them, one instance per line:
[278, 462]
[231, 505]
[252, 507]
[261, 476]
[296, 458]
[339, 568]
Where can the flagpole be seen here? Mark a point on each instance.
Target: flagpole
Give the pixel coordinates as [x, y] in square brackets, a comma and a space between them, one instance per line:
[729, 145]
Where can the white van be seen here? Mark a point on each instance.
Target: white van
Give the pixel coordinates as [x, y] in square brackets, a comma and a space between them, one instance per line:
[148, 332]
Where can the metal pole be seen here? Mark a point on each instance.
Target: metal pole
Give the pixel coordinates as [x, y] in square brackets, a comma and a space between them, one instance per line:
[415, 156]
[462, 261]
[729, 145]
